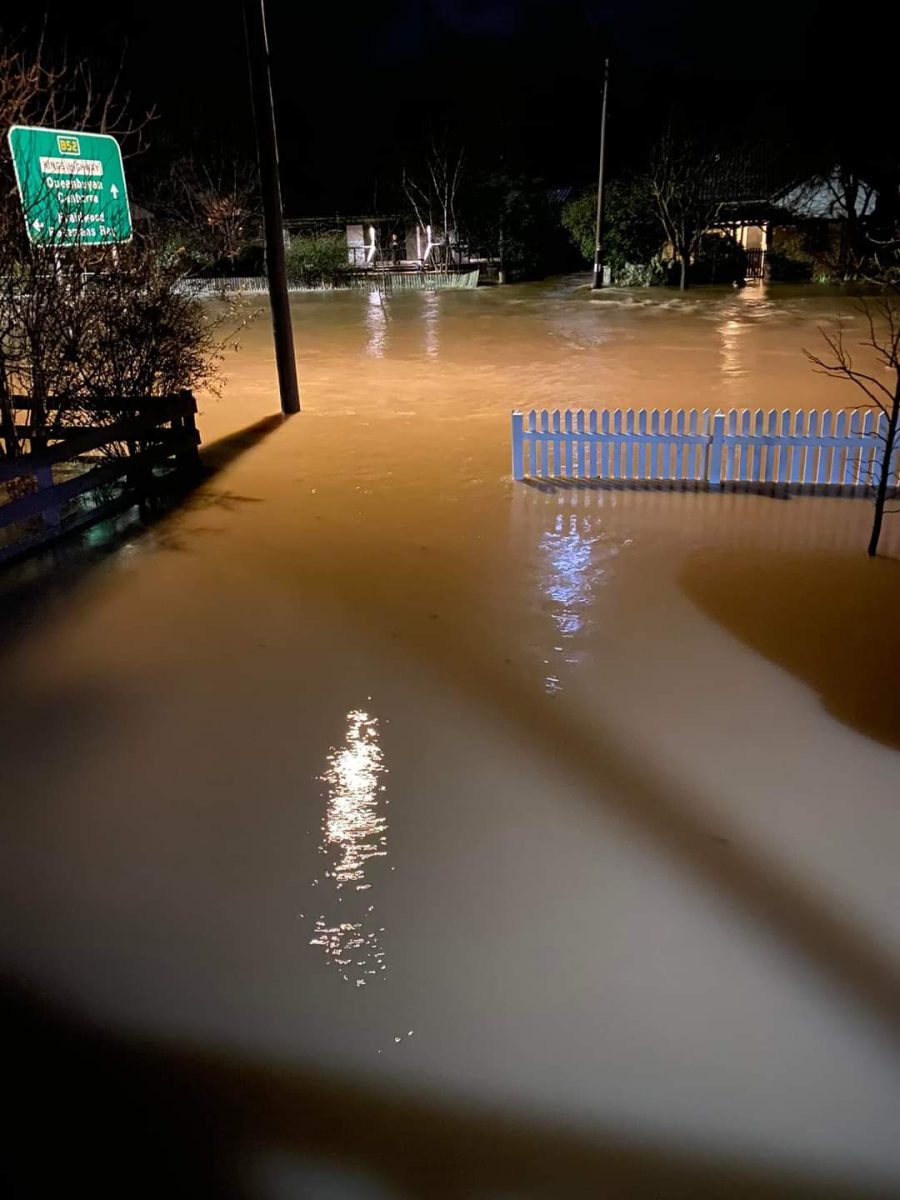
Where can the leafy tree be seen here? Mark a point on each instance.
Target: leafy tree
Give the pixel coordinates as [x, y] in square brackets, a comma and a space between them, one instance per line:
[631, 237]
[516, 220]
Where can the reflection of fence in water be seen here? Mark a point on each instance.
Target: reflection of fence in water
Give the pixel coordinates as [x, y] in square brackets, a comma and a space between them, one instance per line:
[808, 451]
[570, 540]
[806, 524]
[576, 557]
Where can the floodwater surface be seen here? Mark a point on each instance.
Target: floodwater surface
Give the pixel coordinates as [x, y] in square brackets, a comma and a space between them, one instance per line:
[379, 827]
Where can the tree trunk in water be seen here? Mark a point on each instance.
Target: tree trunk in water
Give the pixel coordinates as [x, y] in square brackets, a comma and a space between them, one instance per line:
[885, 473]
[845, 253]
[682, 286]
[848, 229]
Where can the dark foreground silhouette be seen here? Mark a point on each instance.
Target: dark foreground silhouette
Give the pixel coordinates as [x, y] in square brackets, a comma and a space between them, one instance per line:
[104, 1115]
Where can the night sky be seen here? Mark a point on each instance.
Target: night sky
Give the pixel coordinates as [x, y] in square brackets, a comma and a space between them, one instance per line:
[360, 90]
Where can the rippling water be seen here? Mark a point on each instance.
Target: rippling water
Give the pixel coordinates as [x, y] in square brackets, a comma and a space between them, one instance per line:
[636, 899]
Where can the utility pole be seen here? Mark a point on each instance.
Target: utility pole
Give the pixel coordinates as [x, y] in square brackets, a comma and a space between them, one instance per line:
[598, 240]
[273, 217]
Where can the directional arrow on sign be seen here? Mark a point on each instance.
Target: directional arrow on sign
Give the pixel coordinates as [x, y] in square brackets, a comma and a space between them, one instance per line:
[115, 191]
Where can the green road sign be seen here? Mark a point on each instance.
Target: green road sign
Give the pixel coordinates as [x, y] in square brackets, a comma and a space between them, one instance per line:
[72, 187]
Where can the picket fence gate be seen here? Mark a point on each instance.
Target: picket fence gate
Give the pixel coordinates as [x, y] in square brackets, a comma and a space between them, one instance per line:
[805, 450]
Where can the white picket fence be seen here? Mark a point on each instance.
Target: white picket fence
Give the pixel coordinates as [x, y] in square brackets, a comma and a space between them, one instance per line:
[806, 450]
[258, 285]
[385, 281]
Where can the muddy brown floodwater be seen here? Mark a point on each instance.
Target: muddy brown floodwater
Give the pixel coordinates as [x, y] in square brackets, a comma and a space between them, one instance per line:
[377, 827]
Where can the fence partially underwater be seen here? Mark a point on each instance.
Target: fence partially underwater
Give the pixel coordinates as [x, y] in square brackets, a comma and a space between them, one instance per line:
[387, 281]
[808, 451]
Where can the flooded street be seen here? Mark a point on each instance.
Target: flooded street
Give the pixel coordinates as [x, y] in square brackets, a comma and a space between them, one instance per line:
[450, 837]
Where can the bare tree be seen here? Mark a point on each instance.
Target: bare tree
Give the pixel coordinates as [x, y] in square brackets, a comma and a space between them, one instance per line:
[689, 185]
[883, 249]
[433, 200]
[35, 90]
[843, 196]
[882, 348]
[214, 203]
[79, 327]
[852, 200]
[80, 324]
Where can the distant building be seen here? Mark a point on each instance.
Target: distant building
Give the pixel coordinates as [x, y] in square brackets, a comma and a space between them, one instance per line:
[818, 227]
[386, 241]
[824, 198]
[794, 228]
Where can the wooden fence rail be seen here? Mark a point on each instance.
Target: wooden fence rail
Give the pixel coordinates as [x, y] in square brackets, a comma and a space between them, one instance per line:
[78, 474]
[808, 451]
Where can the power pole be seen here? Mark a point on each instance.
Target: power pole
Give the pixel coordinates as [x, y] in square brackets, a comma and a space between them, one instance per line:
[273, 217]
[598, 239]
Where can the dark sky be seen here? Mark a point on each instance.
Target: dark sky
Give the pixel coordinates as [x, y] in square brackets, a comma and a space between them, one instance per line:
[360, 89]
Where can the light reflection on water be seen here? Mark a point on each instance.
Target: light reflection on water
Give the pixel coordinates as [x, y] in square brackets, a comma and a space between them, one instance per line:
[354, 831]
[376, 325]
[576, 556]
[731, 332]
[431, 311]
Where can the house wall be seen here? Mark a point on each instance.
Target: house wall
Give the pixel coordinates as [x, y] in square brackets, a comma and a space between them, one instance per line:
[751, 237]
[414, 248]
[356, 245]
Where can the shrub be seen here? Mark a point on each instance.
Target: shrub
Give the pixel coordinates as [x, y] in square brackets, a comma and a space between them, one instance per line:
[786, 268]
[317, 260]
[81, 324]
[719, 259]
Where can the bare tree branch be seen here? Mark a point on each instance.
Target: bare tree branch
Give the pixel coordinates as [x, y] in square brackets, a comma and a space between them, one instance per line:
[883, 324]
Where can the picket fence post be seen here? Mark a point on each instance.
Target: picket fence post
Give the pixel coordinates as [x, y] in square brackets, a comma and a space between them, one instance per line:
[518, 468]
[714, 469]
[816, 450]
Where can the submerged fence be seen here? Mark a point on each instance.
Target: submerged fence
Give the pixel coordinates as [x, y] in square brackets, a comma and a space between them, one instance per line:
[258, 285]
[121, 453]
[805, 450]
[386, 281]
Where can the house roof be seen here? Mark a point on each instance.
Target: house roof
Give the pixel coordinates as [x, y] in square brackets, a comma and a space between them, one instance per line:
[820, 197]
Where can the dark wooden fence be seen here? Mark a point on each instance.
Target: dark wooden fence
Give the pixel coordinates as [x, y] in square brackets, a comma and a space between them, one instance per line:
[90, 466]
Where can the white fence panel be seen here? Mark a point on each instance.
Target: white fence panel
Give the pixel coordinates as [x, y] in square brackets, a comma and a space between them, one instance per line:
[815, 451]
